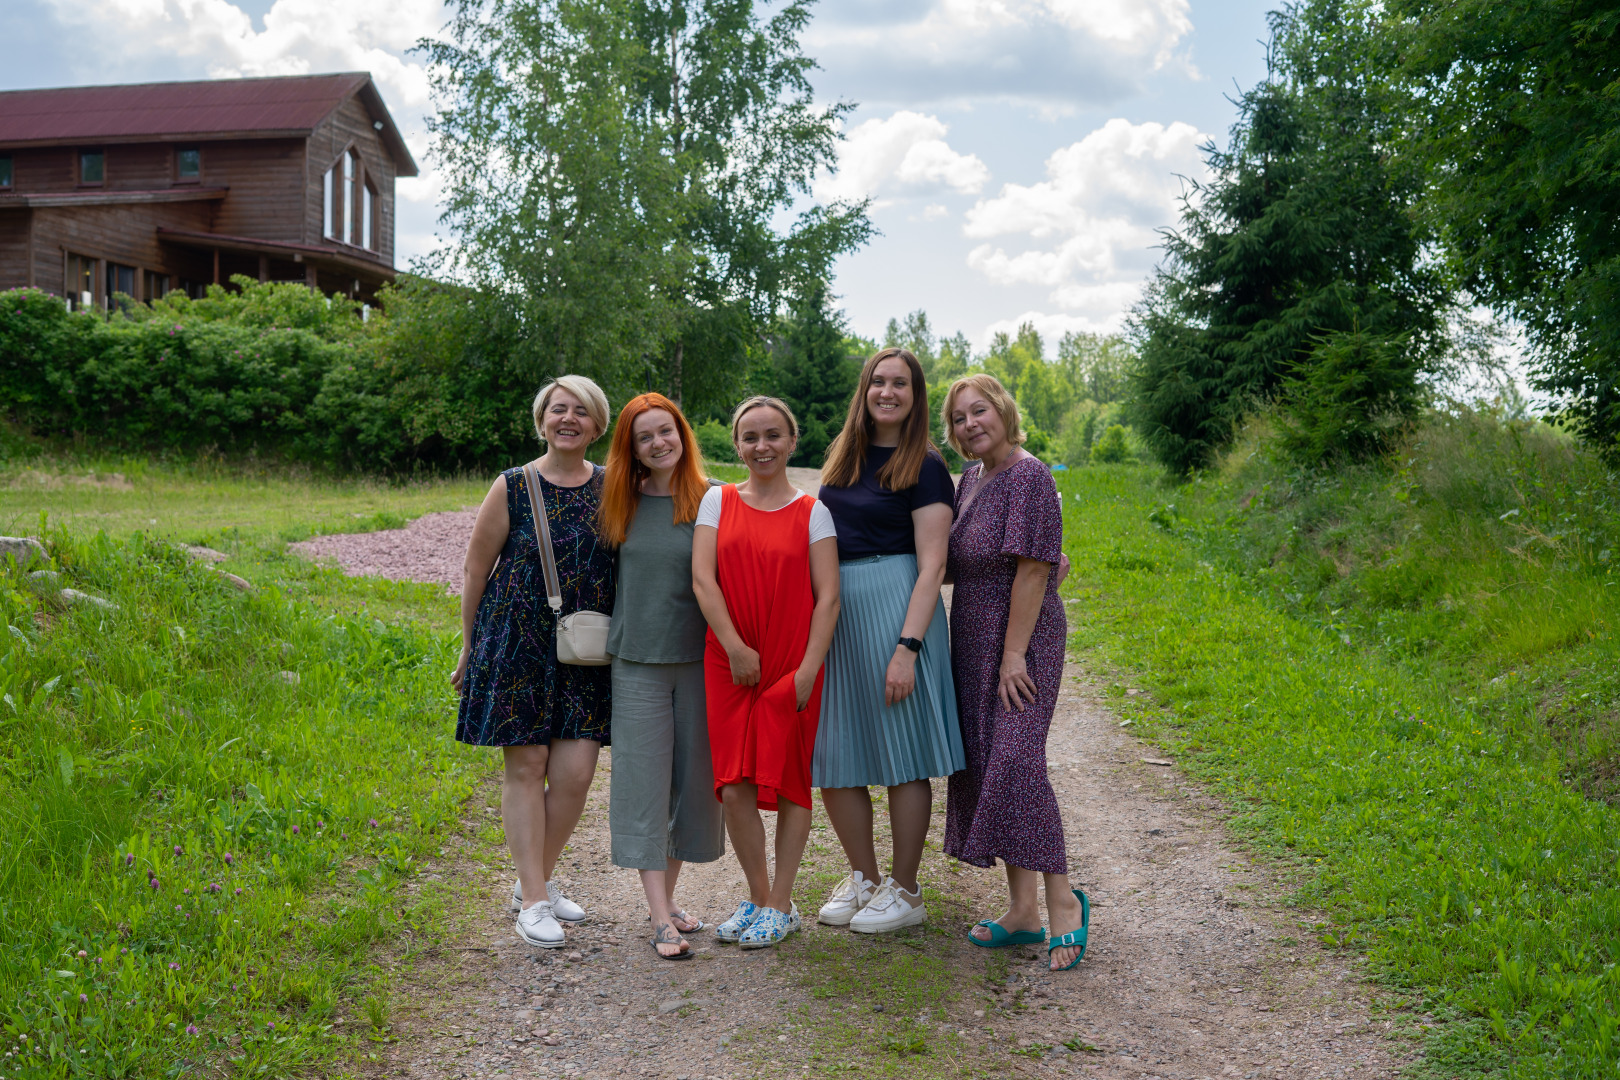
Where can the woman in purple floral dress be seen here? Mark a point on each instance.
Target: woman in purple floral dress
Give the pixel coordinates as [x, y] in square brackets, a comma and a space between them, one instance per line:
[1008, 633]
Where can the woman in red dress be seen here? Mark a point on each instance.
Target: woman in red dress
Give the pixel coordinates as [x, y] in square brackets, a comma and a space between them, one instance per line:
[765, 571]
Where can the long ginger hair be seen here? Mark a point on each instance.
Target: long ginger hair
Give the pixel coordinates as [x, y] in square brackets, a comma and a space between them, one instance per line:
[621, 490]
[847, 454]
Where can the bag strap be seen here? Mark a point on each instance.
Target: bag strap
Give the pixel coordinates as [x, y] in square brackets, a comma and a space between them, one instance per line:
[542, 533]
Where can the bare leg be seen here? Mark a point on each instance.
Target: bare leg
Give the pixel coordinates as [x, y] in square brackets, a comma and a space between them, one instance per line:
[1025, 912]
[685, 926]
[850, 811]
[747, 832]
[568, 781]
[911, 810]
[792, 833]
[523, 814]
[655, 883]
[1065, 912]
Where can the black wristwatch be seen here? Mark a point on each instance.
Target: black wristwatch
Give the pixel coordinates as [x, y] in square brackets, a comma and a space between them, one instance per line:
[914, 644]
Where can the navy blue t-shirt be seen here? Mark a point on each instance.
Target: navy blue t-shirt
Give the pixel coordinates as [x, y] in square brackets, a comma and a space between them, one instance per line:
[871, 519]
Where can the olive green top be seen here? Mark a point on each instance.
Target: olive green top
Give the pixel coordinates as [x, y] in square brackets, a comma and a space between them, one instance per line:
[656, 618]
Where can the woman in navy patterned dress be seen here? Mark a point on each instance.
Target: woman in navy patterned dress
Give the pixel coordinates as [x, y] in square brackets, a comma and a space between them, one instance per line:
[1008, 632]
[550, 719]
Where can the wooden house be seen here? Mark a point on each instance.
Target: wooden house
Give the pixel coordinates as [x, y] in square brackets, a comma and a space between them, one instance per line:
[143, 189]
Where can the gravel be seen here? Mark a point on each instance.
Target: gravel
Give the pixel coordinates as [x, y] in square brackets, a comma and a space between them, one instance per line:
[1197, 967]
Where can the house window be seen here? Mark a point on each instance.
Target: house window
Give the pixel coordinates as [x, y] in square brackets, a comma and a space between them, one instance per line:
[350, 224]
[327, 229]
[92, 167]
[80, 285]
[120, 279]
[368, 212]
[5, 171]
[157, 285]
[188, 164]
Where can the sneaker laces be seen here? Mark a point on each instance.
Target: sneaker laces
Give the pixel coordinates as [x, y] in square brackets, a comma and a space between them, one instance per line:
[848, 889]
[536, 912]
[883, 899]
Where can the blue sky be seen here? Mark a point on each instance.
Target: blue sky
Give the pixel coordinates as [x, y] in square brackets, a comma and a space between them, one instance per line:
[1021, 154]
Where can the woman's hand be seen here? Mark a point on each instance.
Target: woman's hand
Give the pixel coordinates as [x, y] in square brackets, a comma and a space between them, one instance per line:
[803, 683]
[459, 676]
[1016, 686]
[744, 666]
[1063, 567]
[901, 678]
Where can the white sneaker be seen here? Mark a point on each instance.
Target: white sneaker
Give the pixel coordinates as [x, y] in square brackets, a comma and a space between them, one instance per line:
[539, 927]
[562, 908]
[566, 910]
[852, 894]
[890, 908]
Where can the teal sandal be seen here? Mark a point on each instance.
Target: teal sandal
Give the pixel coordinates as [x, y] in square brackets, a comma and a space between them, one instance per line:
[1074, 938]
[1001, 937]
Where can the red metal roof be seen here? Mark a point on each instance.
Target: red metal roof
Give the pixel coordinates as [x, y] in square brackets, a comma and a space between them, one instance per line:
[216, 108]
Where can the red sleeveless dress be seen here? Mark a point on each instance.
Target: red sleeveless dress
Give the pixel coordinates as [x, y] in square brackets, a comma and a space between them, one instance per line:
[755, 732]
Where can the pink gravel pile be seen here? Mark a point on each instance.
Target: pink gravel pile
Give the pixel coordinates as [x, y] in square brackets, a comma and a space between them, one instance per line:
[429, 549]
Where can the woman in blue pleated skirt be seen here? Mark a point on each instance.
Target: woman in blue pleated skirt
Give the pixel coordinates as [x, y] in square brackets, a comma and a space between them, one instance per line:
[888, 714]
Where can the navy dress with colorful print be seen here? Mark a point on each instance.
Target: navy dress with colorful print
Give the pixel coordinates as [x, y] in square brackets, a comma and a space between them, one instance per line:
[515, 692]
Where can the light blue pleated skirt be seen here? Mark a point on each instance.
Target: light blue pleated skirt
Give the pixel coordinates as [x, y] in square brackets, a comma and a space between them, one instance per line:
[861, 741]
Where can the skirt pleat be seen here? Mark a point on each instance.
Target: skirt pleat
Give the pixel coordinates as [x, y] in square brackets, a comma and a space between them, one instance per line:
[861, 741]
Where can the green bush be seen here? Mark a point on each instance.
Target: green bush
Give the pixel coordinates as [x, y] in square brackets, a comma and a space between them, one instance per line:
[1112, 448]
[714, 440]
[1349, 399]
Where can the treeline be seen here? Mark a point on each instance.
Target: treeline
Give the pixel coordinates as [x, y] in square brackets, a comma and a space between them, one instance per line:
[1401, 163]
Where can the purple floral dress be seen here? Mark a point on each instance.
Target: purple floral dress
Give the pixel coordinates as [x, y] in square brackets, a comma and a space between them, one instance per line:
[1002, 805]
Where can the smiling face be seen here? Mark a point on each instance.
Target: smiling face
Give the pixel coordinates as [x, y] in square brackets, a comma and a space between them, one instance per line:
[656, 440]
[889, 395]
[566, 423]
[764, 441]
[977, 425]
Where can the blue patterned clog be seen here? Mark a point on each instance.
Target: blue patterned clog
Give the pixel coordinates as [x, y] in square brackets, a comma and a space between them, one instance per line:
[769, 927]
[740, 920]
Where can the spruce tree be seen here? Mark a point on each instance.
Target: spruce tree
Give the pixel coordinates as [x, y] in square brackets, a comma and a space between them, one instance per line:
[813, 372]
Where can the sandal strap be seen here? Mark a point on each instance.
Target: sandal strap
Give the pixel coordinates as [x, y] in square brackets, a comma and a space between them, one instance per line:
[1074, 938]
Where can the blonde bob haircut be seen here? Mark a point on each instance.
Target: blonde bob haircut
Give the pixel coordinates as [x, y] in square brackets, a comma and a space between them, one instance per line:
[762, 401]
[995, 394]
[585, 391]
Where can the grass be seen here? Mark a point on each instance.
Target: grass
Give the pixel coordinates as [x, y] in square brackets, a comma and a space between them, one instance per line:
[203, 861]
[1385, 671]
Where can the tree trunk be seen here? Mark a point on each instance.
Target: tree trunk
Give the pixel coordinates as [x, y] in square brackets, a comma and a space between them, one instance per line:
[675, 375]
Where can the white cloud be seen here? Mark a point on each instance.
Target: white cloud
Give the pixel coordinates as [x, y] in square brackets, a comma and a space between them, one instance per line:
[1056, 54]
[1051, 327]
[1088, 232]
[905, 154]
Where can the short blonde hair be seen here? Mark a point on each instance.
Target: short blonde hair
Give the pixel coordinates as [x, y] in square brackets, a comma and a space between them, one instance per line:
[588, 394]
[763, 401]
[995, 394]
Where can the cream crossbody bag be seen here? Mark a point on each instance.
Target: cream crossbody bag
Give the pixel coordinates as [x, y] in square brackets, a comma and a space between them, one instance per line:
[581, 637]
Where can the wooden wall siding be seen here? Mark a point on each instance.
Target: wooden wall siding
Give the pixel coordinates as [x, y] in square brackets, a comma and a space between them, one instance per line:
[121, 234]
[139, 167]
[351, 124]
[265, 177]
[14, 248]
[47, 169]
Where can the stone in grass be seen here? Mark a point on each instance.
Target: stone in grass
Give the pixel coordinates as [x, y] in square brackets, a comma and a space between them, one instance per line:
[25, 549]
[288, 677]
[75, 598]
[242, 584]
[44, 582]
[198, 553]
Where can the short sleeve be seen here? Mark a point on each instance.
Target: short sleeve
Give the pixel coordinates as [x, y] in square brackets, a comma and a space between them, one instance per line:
[709, 508]
[933, 484]
[821, 522]
[1034, 514]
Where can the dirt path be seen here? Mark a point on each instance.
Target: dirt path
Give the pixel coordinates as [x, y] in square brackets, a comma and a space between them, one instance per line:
[1195, 969]
[1192, 971]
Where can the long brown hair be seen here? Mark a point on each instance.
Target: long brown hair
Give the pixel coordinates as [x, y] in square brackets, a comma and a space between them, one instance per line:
[847, 454]
[621, 489]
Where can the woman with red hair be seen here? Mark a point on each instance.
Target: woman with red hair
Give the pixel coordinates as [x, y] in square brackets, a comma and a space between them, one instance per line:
[662, 811]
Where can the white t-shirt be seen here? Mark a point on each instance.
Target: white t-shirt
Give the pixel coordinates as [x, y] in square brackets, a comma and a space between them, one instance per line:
[821, 519]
